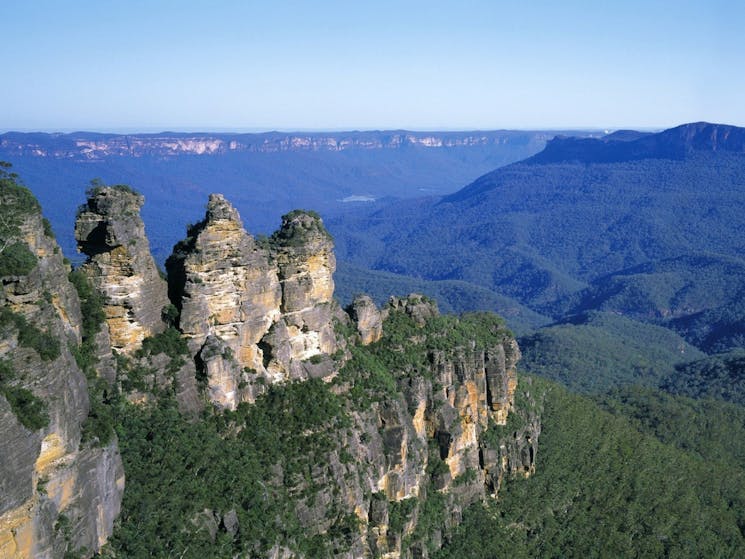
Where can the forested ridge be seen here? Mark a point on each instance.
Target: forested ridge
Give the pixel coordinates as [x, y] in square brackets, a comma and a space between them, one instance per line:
[630, 249]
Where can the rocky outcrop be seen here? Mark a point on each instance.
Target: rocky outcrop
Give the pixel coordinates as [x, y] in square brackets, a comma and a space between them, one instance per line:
[423, 421]
[227, 287]
[428, 413]
[418, 307]
[442, 434]
[367, 319]
[56, 494]
[255, 313]
[305, 258]
[262, 312]
[111, 233]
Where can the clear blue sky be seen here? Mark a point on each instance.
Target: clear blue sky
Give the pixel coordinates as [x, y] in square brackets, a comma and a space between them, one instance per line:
[252, 65]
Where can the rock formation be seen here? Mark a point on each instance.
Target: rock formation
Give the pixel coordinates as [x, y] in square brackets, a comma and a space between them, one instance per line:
[305, 257]
[262, 312]
[367, 319]
[422, 414]
[57, 494]
[254, 310]
[228, 292]
[111, 233]
[440, 433]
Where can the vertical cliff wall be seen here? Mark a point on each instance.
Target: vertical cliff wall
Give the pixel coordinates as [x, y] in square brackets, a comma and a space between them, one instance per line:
[56, 494]
[443, 433]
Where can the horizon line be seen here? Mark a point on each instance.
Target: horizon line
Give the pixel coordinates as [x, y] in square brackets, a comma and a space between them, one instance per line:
[123, 131]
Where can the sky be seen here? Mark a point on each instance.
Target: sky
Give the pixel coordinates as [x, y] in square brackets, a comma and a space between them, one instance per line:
[154, 65]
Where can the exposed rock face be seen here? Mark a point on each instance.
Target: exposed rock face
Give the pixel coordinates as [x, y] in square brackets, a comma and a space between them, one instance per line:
[227, 288]
[367, 319]
[258, 313]
[111, 233]
[85, 148]
[417, 306]
[55, 495]
[440, 435]
[306, 261]
[422, 416]
[253, 311]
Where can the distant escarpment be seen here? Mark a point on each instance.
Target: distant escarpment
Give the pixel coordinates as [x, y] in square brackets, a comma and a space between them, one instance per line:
[88, 146]
[60, 485]
[627, 145]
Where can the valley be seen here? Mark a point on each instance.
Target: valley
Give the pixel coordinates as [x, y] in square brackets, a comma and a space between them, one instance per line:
[341, 387]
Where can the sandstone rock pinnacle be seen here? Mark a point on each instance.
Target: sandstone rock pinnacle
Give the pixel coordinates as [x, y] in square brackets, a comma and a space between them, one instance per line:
[269, 303]
[367, 319]
[226, 287]
[110, 231]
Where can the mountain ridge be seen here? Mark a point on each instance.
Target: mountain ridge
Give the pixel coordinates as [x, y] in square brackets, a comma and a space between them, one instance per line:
[98, 145]
[543, 231]
[673, 143]
[622, 146]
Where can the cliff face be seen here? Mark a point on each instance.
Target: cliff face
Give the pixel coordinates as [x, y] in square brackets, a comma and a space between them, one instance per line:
[254, 314]
[367, 319]
[258, 313]
[98, 146]
[56, 494]
[427, 403]
[305, 258]
[110, 232]
[444, 436]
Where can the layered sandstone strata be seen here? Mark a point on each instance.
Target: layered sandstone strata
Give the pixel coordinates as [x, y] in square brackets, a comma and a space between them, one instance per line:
[254, 312]
[110, 231]
[57, 494]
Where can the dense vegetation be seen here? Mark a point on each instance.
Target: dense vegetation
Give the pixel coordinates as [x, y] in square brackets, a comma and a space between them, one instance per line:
[187, 479]
[29, 336]
[374, 371]
[99, 425]
[698, 296]
[595, 352]
[28, 409]
[230, 483]
[603, 488]
[563, 237]
[721, 377]
[713, 430]
[17, 203]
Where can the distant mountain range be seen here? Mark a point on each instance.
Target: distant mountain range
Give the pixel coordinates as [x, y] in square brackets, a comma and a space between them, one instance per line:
[94, 146]
[646, 225]
[265, 175]
[628, 145]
